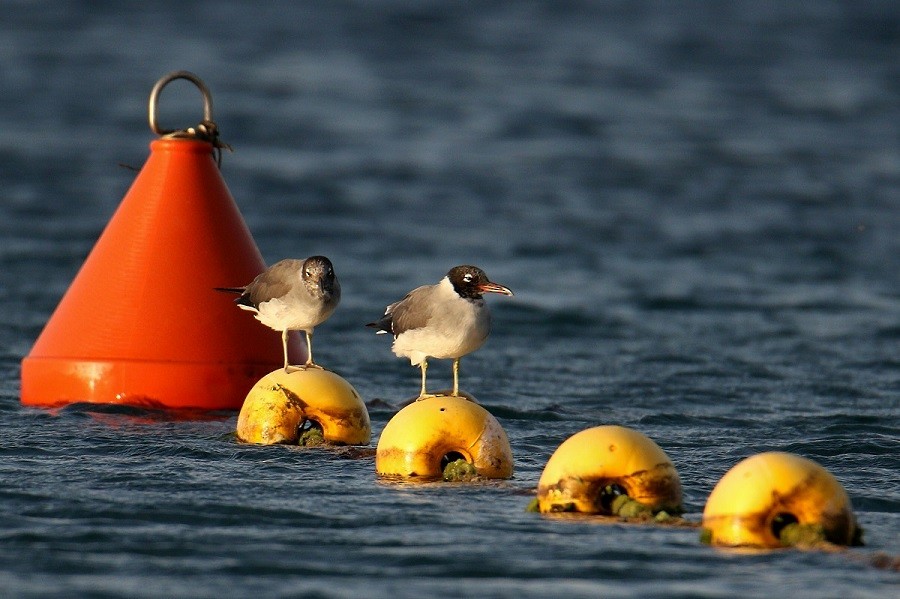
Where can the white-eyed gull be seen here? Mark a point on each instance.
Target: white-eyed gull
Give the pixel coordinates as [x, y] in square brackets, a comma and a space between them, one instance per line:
[443, 321]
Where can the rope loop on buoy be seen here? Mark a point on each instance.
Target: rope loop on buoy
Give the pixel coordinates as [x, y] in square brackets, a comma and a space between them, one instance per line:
[206, 130]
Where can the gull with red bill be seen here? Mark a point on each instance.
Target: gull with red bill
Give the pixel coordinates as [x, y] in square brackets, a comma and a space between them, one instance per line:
[447, 320]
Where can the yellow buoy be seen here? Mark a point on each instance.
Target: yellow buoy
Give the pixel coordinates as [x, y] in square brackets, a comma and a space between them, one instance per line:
[422, 438]
[755, 502]
[281, 403]
[595, 466]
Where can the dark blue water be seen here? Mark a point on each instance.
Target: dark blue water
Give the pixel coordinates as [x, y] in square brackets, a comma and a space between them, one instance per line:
[697, 205]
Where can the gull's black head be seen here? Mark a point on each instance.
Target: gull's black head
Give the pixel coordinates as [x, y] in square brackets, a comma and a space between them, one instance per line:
[471, 282]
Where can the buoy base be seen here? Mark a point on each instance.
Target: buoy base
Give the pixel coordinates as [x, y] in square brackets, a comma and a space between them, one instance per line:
[54, 382]
[281, 404]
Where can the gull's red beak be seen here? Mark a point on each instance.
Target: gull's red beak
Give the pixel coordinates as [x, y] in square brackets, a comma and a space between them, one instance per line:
[494, 288]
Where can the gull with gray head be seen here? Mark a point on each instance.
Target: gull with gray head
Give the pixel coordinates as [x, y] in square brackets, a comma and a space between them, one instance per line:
[292, 295]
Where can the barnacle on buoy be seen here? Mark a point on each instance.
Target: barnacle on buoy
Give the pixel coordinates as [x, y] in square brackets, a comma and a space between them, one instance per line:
[609, 470]
[426, 436]
[778, 499]
[301, 406]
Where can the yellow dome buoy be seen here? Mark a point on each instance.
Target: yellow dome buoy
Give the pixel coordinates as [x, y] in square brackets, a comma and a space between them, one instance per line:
[778, 499]
[281, 404]
[609, 470]
[427, 435]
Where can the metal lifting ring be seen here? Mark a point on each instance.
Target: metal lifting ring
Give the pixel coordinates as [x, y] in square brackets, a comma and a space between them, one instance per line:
[206, 130]
[154, 98]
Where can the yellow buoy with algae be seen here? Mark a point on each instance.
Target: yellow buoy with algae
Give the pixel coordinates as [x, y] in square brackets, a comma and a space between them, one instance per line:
[594, 467]
[422, 438]
[281, 403]
[770, 494]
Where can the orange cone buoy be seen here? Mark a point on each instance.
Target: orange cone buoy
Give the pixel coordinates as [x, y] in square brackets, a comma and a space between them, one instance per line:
[141, 323]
